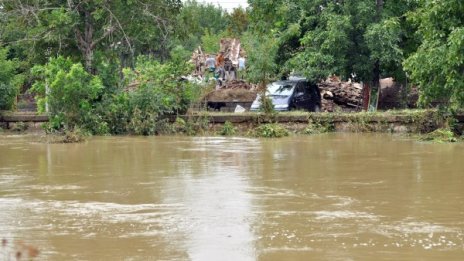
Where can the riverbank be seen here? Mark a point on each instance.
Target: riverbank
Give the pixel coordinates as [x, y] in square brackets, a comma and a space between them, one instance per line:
[288, 123]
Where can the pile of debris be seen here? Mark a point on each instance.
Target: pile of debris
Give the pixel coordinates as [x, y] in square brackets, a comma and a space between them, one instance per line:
[199, 60]
[231, 50]
[238, 84]
[338, 95]
[233, 91]
[348, 96]
[231, 95]
[394, 95]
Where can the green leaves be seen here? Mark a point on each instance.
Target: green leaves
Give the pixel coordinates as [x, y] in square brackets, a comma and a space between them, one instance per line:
[325, 47]
[158, 93]
[9, 80]
[437, 66]
[319, 38]
[69, 89]
[383, 41]
[261, 58]
[197, 23]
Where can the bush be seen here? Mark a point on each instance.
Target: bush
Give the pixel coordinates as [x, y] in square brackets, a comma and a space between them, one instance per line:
[439, 135]
[318, 128]
[9, 80]
[78, 99]
[115, 111]
[270, 130]
[7, 96]
[159, 95]
[71, 93]
[20, 127]
[68, 136]
[228, 129]
[191, 126]
[143, 122]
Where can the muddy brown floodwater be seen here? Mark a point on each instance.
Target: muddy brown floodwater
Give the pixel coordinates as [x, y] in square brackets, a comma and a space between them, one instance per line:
[327, 197]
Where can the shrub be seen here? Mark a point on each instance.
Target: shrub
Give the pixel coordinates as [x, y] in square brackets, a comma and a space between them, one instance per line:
[228, 129]
[318, 128]
[9, 80]
[70, 92]
[68, 136]
[159, 94]
[77, 99]
[271, 130]
[439, 135]
[8, 94]
[143, 122]
[115, 111]
[192, 126]
[20, 127]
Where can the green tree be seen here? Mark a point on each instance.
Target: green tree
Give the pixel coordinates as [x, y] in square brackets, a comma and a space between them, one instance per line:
[69, 91]
[261, 58]
[437, 67]
[261, 64]
[80, 28]
[197, 20]
[210, 42]
[237, 22]
[319, 38]
[9, 80]
[159, 93]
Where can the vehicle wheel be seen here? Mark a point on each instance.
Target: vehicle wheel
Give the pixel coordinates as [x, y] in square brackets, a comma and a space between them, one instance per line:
[317, 108]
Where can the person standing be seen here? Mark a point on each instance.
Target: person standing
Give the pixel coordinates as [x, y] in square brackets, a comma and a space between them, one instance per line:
[210, 64]
[220, 60]
[241, 66]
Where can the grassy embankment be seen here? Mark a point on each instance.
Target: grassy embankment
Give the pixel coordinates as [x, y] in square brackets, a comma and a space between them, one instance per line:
[423, 124]
[427, 125]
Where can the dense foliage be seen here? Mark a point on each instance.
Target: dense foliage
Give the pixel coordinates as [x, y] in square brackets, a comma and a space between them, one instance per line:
[68, 91]
[9, 80]
[77, 99]
[114, 66]
[438, 64]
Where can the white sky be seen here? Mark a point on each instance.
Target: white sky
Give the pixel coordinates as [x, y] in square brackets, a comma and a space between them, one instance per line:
[227, 4]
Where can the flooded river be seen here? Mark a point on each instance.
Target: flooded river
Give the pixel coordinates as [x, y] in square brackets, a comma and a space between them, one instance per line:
[327, 197]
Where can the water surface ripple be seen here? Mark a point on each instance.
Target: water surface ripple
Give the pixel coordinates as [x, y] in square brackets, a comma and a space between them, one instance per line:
[325, 197]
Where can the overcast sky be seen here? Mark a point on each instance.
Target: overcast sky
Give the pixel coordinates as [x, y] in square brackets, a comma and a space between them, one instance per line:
[227, 4]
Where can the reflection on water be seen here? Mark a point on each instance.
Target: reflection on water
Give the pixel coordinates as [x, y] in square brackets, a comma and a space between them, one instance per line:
[327, 197]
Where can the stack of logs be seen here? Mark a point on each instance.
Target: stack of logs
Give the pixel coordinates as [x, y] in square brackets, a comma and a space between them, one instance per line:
[338, 95]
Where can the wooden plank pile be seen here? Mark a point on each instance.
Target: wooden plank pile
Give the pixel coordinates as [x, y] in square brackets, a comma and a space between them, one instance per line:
[346, 96]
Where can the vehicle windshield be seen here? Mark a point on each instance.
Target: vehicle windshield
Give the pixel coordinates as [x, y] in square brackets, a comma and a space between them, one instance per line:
[277, 88]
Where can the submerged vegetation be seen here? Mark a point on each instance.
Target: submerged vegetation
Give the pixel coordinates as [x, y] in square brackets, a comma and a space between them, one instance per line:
[439, 135]
[318, 127]
[270, 130]
[228, 129]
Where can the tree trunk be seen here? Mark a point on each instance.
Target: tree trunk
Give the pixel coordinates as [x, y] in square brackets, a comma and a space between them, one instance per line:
[376, 70]
[88, 59]
[85, 41]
